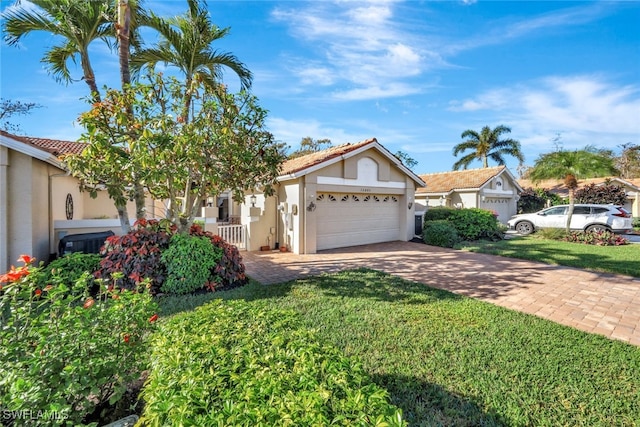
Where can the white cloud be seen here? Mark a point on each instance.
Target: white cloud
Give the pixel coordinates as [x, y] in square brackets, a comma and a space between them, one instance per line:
[583, 109]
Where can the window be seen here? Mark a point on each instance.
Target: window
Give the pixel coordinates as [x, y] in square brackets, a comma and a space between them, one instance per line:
[581, 210]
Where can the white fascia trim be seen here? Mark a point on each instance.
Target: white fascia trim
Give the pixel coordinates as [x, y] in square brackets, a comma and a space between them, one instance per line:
[355, 152]
[355, 183]
[31, 151]
[513, 179]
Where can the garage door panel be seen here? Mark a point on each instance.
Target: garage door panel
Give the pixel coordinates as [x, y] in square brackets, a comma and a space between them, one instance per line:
[356, 219]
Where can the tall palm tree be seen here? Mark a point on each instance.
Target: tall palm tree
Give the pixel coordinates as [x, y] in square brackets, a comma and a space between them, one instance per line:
[77, 22]
[486, 144]
[186, 43]
[571, 166]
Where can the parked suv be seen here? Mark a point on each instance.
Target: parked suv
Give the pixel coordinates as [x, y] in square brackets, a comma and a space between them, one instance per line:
[585, 217]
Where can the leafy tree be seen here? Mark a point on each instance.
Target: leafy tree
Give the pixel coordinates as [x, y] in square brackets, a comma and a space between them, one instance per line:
[602, 194]
[406, 160]
[629, 161]
[9, 108]
[572, 166]
[223, 147]
[486, 145]
[309, 145]
[186, 43]
[77, 22]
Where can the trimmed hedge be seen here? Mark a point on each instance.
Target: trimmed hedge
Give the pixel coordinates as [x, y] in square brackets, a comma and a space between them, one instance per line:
[250, 366]
[438, 213]
[474, 223]
[440, 233]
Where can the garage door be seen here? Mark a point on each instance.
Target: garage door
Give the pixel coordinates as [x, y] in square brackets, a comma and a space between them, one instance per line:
[350, 219]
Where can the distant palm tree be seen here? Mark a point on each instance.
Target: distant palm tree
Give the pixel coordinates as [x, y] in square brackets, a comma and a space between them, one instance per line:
[77, 22]
[186, 44]
[572, 166]
[486, 144]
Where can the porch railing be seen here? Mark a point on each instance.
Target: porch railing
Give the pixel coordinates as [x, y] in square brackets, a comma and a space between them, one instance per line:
[234, 234]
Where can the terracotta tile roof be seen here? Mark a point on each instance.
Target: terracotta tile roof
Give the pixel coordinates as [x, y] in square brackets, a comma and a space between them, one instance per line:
[54, 146]
[557, 185]
[445, 182]
[303, 162]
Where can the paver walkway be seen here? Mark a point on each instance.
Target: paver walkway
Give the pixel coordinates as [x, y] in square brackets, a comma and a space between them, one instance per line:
[602, 303]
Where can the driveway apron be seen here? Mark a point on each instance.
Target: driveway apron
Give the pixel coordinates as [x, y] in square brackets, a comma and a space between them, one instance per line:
[601, 303]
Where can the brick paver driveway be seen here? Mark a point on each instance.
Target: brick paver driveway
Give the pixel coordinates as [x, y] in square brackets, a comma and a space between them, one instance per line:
[601, 303]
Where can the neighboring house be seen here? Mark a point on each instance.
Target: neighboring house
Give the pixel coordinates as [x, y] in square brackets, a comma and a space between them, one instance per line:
[631, 187]
[494, 189]
[40, 202]
[348, 195]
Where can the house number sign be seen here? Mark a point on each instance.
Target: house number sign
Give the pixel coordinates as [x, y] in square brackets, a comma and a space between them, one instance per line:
[68, 207]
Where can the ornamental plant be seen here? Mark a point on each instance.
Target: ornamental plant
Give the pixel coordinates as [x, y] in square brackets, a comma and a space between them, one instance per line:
[69, 268]
[252, 366]
[189, 261]
[598, 238]
[64, 352]
[440, 233]
[474, 223]
[138, 256]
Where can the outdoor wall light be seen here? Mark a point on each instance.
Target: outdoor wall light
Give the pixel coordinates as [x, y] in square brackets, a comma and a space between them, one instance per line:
[253, 200]
[410, 203]
[311, 207]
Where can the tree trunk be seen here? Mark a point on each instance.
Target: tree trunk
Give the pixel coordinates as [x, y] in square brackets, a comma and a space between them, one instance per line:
[89, 77]
[122, 29]
[570, 210]
[124, 218]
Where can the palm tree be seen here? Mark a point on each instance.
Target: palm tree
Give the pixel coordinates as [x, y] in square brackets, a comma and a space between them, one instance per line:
[186, 44]
[486, 144]
[77, 22]
[572, 166]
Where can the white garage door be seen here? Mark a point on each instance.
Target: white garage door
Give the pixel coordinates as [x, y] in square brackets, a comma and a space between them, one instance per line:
[351, 219]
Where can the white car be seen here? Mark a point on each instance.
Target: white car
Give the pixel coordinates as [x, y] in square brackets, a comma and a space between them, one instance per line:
[586, 217]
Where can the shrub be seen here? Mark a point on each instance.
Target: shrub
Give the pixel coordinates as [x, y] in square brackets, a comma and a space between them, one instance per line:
[68, 269]
[531, 200]
[474, 223]
[230, 270]
[248, 365]
[598, 238]
[440, 233]
[602, 194]
[438, 213]
[189, 261]
[65, 354]
[635, 222]
[137, 255]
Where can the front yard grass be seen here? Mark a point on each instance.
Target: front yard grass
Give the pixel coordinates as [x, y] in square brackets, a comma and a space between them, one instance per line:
[452, 360]
[623, 259]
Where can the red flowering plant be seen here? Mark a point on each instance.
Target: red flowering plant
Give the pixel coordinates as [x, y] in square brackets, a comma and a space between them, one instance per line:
[65, 350]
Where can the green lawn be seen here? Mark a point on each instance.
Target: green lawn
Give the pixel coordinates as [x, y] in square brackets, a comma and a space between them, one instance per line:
[611, 259]
[451, 360]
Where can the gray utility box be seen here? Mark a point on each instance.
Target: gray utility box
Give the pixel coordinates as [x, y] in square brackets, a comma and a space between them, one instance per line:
[89, 243]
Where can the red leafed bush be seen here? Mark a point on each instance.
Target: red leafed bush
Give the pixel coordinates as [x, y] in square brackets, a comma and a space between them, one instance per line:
[598, 238]
[137, 255]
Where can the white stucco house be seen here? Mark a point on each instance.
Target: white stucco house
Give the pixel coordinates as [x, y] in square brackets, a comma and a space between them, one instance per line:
[347, 195]
[630, 186]
[494, 189]
[344, 196]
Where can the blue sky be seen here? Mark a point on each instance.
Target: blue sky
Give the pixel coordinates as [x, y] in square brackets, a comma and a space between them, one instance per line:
[413, 74]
